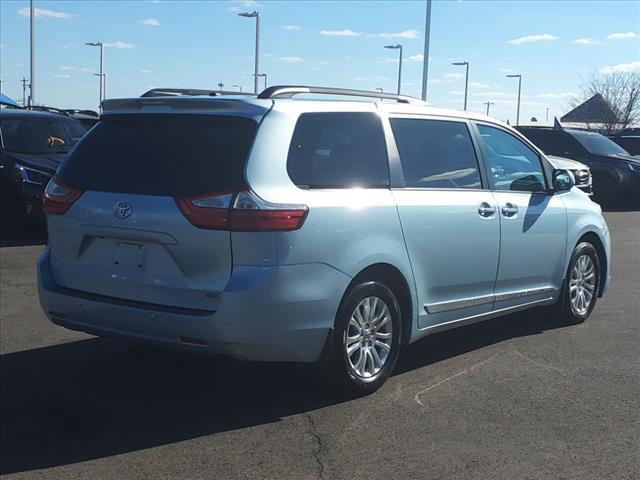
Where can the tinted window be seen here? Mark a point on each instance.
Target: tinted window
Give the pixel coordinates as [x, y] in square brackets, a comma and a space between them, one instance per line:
[436, 153]
[338, 150]
[177, 155]
[40, 134]
[513, 165]
[553, 142]
[598, 144]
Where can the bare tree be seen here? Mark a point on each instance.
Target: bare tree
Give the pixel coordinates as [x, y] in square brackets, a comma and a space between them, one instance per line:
[621, 91]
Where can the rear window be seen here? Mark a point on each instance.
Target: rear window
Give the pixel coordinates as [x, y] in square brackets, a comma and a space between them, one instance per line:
[338, 150]
[177, 155]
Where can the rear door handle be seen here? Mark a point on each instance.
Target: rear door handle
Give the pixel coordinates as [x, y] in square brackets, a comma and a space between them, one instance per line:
[509, 210]
[486, 210]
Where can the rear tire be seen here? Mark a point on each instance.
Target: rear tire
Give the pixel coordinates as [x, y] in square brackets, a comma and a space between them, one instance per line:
[581, 285]
[367, 338]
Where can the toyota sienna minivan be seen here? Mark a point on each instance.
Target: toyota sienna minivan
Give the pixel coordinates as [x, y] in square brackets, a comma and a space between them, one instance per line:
[276, 228]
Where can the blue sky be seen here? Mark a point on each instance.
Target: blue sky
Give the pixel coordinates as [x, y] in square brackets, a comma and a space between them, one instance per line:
[200, 43]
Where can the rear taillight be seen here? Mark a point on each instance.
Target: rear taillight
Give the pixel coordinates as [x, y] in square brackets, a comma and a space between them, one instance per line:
[242, 211]
[58, 196]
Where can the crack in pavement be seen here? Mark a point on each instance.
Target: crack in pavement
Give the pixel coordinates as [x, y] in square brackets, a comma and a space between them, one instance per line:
[317, 440]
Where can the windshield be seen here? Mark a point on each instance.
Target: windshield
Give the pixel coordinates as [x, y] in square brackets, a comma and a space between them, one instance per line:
[38, 135]
[598, 144]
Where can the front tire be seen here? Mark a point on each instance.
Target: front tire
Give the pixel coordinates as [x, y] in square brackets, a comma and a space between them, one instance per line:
[582, 284]
[367, 338]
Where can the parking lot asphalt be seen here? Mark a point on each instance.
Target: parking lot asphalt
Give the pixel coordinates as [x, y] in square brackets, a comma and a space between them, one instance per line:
[518, 397]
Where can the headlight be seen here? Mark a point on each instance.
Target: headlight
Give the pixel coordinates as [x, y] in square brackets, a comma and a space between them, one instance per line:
[31, 175]
[634, 167]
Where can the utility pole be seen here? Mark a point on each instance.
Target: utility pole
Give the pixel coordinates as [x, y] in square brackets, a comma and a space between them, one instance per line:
[24, 91]
[488, 104]
[425, 60]
[32, 24]
[546, 120]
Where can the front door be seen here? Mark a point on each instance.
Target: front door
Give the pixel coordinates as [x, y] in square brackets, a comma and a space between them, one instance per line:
[533, 222]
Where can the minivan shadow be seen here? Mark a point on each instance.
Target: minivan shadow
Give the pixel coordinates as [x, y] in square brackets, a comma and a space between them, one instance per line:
[96, 398]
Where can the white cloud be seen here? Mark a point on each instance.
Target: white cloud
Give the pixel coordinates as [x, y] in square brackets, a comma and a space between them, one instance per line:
[404, 34]
[340, 33]
[244, 3]
[622, 67]
[68, 67]
[291, 28]
[318, 69]
[62, 76]
[151, 22]
[540, 37]
[478, 85]
[586, 41]
[556, 95]
[292, 59]
[506, 70]
[454, 75]
[119, 44]
[323, 63]
[42, 13]
[437, 81]
[456, 92]
[416, 58]
[144, 70]
[622, 36]
[154, 1]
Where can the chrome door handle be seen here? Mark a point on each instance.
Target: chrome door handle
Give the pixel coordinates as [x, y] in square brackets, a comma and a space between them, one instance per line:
[509, 210]
[485, 210]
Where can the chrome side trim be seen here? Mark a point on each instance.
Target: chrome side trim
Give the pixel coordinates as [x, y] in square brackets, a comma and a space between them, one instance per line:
[472, 302]
[457, 304]
[483, 316]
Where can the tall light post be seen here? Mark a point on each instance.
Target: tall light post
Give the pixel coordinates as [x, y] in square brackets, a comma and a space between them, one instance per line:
[425, 59]
[265, 79]
[238, 87]
[519, 77]
[466, 82]
[104, 84]
[488, 104]
[99, 44]
[32, 61]
[397, 47]
[255, 15]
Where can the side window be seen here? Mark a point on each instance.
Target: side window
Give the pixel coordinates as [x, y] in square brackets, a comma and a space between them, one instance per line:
[436, 153]
[557, 143]
[513, 165]
[338, 150]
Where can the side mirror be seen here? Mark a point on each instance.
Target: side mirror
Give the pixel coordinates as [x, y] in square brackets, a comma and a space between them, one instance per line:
[563, 180]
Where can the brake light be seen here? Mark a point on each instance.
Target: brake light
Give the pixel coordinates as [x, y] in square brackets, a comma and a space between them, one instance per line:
[243, 212]
[58, 197]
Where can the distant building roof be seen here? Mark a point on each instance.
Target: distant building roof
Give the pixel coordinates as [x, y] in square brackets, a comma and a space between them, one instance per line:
[594, 110]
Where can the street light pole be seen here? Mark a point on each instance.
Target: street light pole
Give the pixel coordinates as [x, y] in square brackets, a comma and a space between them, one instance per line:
[101, 74]
[265, 79]
[255, 15]
[104, 84]
[466, 82]
[397, 47]
[32, 24]
[519, 77]
[488, 104]
[425, 59]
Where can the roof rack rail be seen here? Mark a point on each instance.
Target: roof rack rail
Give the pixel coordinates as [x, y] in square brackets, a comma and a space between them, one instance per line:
[289, 91]
[179, 92]
[44, 108]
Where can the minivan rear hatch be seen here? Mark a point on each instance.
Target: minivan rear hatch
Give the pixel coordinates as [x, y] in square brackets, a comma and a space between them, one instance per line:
[125, 236]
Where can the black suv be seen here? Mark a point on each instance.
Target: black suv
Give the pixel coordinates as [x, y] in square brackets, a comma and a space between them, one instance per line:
[628, 139]
[32, 145]
[616, 173]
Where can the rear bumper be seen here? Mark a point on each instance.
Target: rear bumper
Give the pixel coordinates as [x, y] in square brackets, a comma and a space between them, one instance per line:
[279, 313]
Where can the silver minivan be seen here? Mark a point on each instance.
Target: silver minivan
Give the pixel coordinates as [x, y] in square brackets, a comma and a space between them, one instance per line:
[280, 227]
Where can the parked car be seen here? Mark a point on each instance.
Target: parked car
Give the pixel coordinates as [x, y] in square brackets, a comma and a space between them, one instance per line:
[629, 140]
[87, 117]
[32, 145]
[581, 172]
[616, 173]
[279, 229]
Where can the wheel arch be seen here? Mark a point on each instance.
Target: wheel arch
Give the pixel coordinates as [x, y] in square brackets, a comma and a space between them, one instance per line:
[396, 281]
[594, 239]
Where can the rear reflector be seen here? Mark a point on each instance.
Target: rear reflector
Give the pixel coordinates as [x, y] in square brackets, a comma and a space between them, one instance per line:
[242, 212]
[58, 197]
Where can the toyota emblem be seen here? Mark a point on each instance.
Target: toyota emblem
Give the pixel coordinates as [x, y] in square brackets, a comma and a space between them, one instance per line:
[122, 210]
